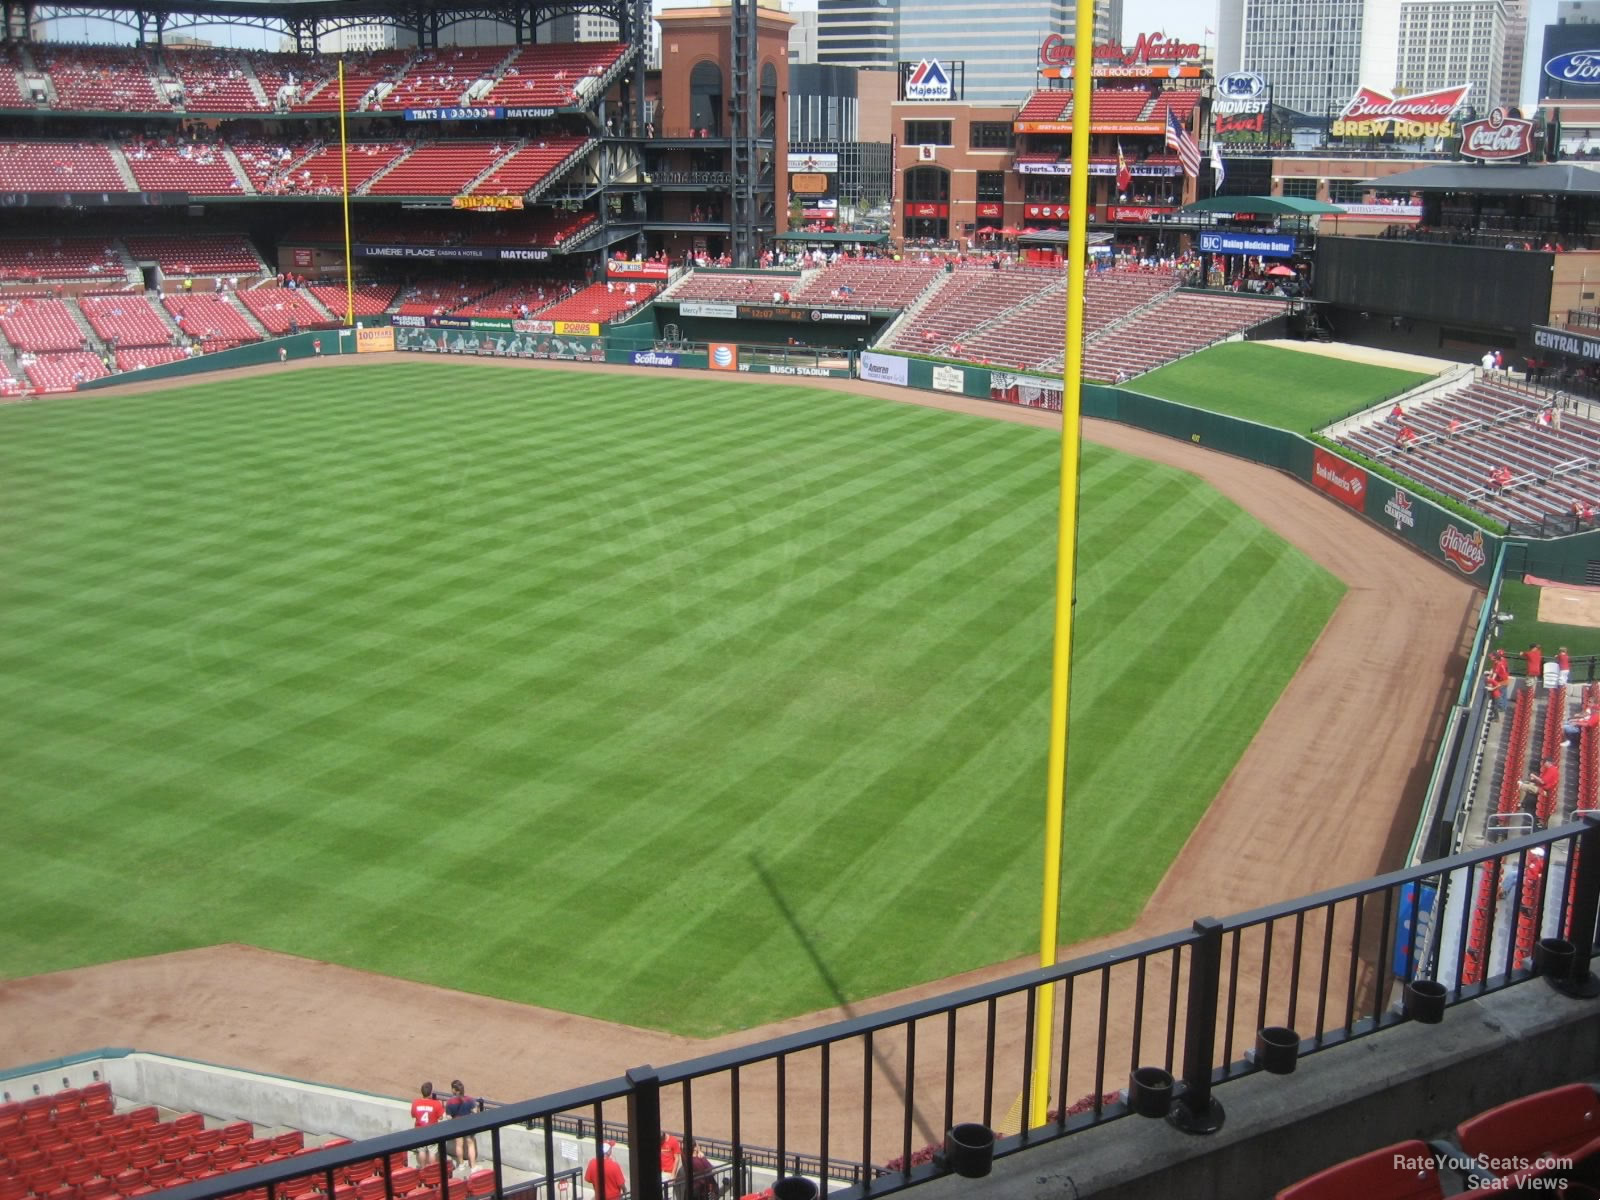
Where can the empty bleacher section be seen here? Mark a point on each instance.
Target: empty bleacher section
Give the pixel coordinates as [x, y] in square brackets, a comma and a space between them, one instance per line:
[27, 261]
[370, 298]
[126, 320]
[1050, 105]
[442, 77]
[198, 167]
[530, 166]
[1488, 423]
[598, 302]
[974, 295]
[10, 385]
[725, 285]
[438, 169]
[10, 88]
[518, 300]
[210, 319]
[40, 325]
[868, 283]
[1172, 326]
[208, 254]
[434, 297]
[267, 164]
[321, 172]
[283, 310]
[101, 78]
[62, 372]
[549, 75]
[137, 357]
[59, 167]
[318, 87]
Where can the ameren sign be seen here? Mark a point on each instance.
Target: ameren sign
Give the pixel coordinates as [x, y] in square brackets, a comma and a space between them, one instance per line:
[1371, 113]
[1056, 50]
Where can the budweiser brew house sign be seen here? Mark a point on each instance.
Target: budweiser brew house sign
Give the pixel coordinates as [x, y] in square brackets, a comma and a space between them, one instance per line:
[1497, 137]
[1371, 113]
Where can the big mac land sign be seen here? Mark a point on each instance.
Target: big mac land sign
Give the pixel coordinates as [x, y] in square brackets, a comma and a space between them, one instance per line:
[1371, 113]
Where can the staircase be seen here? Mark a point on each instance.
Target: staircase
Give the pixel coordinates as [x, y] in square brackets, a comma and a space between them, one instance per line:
[256, 90]
[91, 339]
[249, 317]
[247, 187]
[123, 169]
[373, 178]
[310, 298]
[466, 188]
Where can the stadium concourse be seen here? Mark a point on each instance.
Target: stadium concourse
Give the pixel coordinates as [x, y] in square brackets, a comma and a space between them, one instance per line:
[1324, 795]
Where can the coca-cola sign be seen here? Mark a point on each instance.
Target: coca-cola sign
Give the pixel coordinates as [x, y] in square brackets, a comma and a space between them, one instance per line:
[1056, 50]
[1497, 136]
[1464, 550]
[1576, 66]
[1425, 114]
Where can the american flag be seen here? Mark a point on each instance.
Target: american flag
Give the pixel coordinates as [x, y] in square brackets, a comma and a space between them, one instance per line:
[1178, 139]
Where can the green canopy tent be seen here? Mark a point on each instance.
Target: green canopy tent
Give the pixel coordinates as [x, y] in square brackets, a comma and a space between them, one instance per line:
[1264, 206]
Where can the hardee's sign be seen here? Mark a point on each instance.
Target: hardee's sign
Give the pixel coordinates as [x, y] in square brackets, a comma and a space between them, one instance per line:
[1497, 137]
[1056, 50]
[1426, 114]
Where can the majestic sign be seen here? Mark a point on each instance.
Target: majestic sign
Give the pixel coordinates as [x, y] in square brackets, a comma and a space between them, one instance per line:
[1576, 66]
[1464, 550]
[1344, 481]
[1497, 136]
[1425, 114]
[1056, 50]
[1266, 245]
[929, 80]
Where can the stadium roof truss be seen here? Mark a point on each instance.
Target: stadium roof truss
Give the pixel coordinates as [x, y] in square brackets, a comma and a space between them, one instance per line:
[308, 20]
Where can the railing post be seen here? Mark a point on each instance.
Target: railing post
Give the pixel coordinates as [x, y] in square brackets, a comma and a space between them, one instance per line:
[1196, 1110]
[644, 1133]
[1585, 908]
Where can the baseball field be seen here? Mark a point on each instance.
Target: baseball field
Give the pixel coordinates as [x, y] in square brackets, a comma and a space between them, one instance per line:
[678, 703]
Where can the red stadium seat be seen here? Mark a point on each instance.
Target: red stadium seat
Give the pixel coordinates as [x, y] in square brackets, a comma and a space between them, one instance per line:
[480, 1183]
[36, 1110]
[257, 1150]
[146, 1116]
[1557, 1122]
[207, 1140]
[226, 1157]
[238, 1133]
[67, 1100]
[1404, 1171]
[405, 1179]
[78, 1172]
[288, 1143]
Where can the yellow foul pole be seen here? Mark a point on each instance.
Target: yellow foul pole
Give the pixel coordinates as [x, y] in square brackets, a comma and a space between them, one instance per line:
[1066, 552]
[344, 191]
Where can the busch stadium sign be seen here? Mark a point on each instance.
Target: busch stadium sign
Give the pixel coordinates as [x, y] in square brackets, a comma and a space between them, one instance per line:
[1497, 137]
[1372, 113]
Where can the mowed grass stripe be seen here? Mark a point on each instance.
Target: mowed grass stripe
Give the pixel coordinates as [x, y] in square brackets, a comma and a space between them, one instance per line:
[681, 704]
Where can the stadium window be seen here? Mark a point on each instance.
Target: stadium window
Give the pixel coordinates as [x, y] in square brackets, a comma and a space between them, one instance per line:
[1304, 189]
[989, 135]
[991, 185]
[927, 133]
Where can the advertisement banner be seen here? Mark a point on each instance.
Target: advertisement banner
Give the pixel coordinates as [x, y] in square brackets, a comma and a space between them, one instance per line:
[788, 369]
[479, 113]
[708, 308]
[1344, 481]
[374, 341]
[988, 208]
[826, 163]
[1264, 244]
[1464, 549]
[654, 358]
[1026, 391]
[1135, 212]
[480, 324]
[1046, 212]
[1398, 212]
[302, 256]
[883, 368]
[949, 379]
[580, 328]
[811, 316]
[454, 253]
[523, 326]
[723, 356]
[924, 209]
[484, 344]
[1371, 113]
[486, 203]
[622, 268]
[1563, 341]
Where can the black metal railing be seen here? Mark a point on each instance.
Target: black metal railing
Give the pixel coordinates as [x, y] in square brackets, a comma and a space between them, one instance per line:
[881, 1088]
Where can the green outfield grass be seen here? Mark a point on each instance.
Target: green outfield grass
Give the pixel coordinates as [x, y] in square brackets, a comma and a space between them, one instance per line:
[680, 703]
[1287, 389]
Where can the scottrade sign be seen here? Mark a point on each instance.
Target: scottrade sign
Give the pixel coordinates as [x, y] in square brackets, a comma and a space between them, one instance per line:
[1266, 245]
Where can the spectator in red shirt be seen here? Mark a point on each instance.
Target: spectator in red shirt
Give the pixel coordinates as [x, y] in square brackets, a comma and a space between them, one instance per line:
[605, 1169]
[1563, 666]
[1588, 717]
[1535, 659]
[671, 1156]
[1498, 682]
[1543, 786]
[426, 1112]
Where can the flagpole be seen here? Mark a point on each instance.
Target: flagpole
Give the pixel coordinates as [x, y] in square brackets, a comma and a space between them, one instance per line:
[1066, 554]
[344, 190]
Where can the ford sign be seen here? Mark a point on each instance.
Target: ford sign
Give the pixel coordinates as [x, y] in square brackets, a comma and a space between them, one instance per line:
[1576, 66]
[1241, 85]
